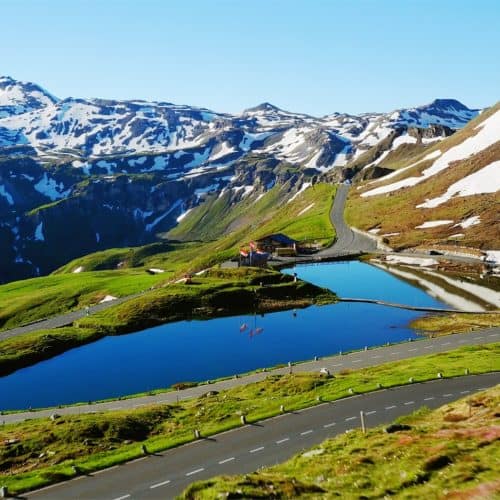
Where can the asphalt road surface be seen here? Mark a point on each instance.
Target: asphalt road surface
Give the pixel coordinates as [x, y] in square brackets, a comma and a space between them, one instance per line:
[272, 441]
[348, 242]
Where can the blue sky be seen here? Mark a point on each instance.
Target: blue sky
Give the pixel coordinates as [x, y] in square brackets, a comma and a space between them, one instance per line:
[312, 56]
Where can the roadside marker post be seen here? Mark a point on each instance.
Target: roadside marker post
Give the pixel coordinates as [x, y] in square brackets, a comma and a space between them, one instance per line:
[362, 416]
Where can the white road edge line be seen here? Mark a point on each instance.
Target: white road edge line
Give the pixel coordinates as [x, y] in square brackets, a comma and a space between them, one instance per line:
[157, 485]
[195, 471]
[226, 460]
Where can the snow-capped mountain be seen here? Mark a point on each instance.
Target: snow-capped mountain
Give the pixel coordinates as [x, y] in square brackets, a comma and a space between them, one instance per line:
[21, 97]
[122, 171]
[449, 193]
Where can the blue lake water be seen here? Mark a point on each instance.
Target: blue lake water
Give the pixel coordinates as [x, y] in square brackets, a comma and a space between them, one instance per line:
[201, 350]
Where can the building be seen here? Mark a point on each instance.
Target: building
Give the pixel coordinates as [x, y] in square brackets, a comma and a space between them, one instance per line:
[279, 244]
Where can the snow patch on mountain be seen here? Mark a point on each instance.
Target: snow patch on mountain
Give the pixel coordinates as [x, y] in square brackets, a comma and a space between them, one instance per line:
[305, 185]
[485, 137]
[471, 221]
[6, 195]
[486, 180]
[433, 223]
[151, 225]
[39, 232]
[50, 188]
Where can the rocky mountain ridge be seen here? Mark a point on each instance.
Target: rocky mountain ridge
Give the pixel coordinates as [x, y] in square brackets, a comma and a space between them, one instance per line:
[99, 173]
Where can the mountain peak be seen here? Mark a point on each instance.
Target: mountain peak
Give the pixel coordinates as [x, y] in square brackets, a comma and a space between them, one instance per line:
[18, 97]
[447, 104]
[265, 106]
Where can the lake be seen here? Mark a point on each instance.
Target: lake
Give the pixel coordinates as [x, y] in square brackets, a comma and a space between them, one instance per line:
[200, 350]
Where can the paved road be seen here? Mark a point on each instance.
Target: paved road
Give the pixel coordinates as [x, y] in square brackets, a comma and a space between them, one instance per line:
[348, 241]
[63, 319]
[272, 441]
[371, 357]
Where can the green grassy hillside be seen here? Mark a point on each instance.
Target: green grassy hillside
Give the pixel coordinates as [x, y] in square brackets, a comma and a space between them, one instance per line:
[29, 300]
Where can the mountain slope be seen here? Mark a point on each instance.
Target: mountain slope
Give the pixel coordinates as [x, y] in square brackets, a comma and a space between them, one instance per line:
[447, 194]
[101, 173]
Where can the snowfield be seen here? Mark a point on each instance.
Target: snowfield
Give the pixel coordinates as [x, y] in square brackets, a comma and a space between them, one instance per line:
[486, 180]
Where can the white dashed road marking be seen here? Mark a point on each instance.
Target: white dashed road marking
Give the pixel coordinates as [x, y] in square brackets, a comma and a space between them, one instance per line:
[284, 440]
[257, 449]
[350, 418]
[428, 399]
[123, 497]
[390, 407]
[306, 432]
[157, 485]
[226, 460]
[409, 403]
[195, 471]
[370, 412]
[326, 426]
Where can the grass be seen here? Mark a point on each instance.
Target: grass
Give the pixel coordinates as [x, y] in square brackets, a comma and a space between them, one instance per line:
[41, 451]
[259, 217]
[217, 292]
[451, 452]
[33, 299]
[396, 212]
[30, 300]
[455, 323]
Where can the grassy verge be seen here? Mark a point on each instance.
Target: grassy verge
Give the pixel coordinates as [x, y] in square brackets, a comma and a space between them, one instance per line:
[43, 451]
[216, 293]
[447, 453]
[455, 323]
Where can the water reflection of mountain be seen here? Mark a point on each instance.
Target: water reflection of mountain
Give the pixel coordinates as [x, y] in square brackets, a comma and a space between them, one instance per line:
[461, 292]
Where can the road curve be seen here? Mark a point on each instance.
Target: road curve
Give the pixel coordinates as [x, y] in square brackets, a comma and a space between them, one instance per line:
[165, 475]
[348, 242]
[336, 363]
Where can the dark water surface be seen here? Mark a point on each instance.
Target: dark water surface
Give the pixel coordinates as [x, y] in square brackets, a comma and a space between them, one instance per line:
[201, 350]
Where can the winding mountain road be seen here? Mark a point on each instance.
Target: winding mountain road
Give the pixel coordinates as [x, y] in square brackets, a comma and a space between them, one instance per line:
[165, 475]
[349, 241]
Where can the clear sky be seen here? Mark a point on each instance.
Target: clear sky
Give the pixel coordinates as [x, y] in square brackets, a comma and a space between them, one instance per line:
[312, 56]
